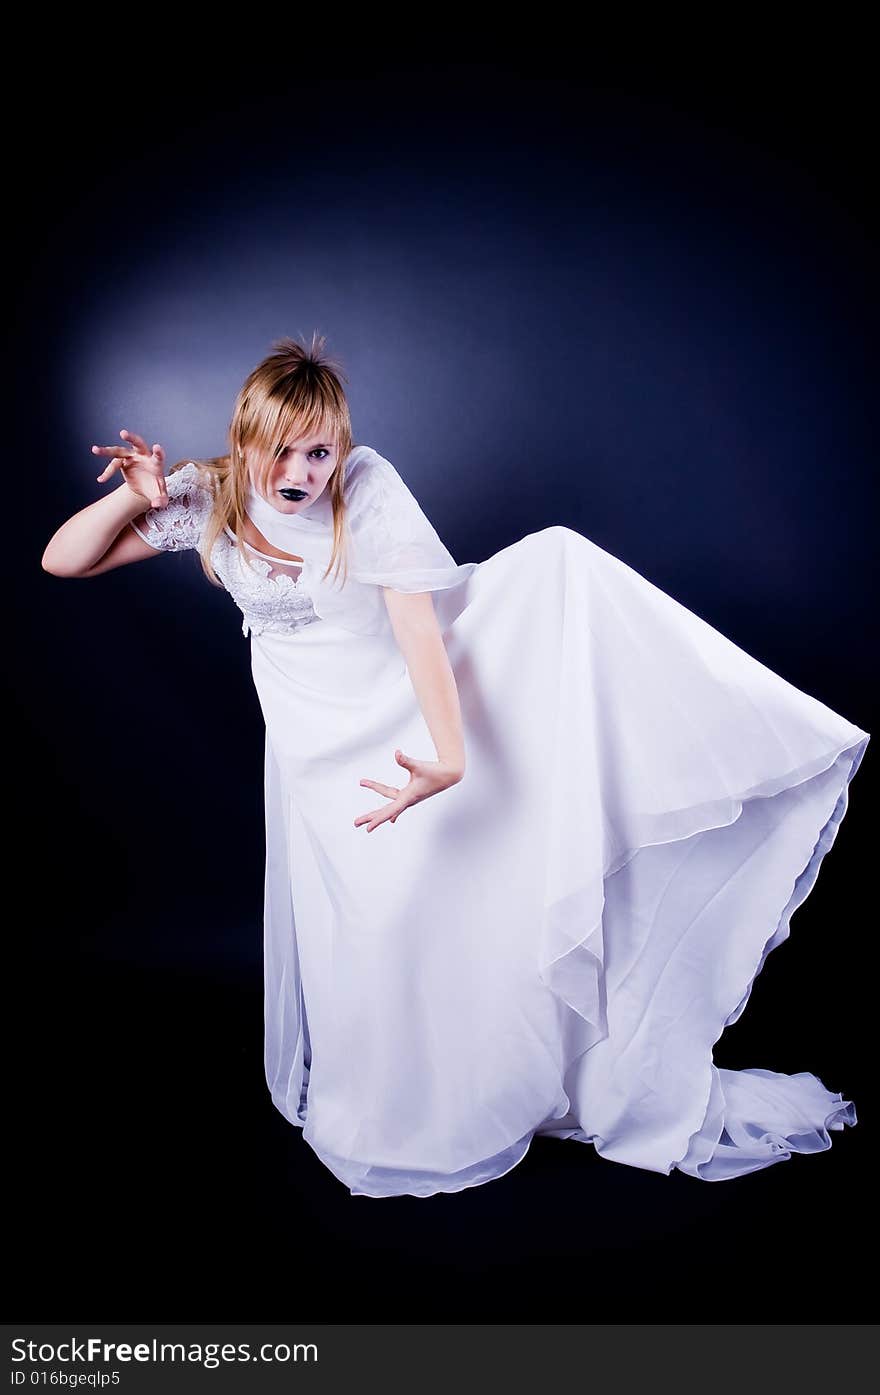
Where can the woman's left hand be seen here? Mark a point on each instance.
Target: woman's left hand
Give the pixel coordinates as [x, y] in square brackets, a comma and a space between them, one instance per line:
[426, 777]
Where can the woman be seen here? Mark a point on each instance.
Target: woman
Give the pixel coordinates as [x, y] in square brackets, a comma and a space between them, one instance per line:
[618, 812]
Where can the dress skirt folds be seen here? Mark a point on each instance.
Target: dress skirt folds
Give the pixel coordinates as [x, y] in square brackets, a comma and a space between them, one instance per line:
[554, 945]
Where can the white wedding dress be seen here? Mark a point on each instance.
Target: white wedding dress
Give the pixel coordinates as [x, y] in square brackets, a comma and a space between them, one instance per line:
[553, 945]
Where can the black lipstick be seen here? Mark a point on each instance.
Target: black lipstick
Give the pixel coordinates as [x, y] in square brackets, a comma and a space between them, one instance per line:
[293, 494]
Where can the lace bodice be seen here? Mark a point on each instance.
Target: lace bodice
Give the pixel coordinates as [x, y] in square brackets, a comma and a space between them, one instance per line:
[270, 594]
[390, 544]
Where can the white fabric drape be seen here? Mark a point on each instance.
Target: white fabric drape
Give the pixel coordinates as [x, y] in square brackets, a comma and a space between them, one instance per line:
[554, 945]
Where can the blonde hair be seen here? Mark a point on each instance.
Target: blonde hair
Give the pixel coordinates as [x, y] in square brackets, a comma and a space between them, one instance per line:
[295, 391]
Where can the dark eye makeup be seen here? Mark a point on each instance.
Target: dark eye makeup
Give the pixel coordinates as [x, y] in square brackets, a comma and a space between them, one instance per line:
[313, 451]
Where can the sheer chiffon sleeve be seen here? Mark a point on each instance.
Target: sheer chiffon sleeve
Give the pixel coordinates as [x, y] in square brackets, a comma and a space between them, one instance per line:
[390, 543]
[393, 543]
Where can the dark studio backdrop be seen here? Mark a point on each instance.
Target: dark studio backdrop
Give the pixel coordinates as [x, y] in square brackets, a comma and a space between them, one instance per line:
[635, 298]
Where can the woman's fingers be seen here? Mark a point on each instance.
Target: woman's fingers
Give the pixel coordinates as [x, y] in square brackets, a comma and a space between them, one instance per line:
[134, 452]
[377, 816]
[390, 811]
[109, 468]
[138, 441]
[134, 445]
[159, 499]
[390, 790]
[112, 465]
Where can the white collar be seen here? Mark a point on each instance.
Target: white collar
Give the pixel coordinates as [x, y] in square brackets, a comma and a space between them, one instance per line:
[282, 529]
[311, 529]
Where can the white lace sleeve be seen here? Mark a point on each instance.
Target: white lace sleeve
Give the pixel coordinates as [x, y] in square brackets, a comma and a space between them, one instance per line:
[179, 525]
[393, 542]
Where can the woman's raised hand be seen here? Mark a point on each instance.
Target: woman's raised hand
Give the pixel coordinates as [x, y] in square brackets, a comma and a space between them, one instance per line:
[142, 469]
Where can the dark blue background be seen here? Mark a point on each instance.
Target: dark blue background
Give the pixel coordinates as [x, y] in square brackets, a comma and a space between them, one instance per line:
[636, 299]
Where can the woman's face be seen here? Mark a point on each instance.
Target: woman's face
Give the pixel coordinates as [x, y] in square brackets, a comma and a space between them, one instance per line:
[300, 473]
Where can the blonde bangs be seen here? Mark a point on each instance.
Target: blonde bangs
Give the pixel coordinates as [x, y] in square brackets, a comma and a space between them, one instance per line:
[296, 420]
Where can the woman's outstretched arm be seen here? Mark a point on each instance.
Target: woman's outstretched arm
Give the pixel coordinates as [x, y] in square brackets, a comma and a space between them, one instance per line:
[78, 546]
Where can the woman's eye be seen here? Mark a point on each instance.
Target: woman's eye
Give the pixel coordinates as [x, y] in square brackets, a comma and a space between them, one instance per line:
[319, 450]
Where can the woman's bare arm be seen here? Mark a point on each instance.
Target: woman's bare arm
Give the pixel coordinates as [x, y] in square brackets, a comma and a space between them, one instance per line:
[98, 537]
[414, 622]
